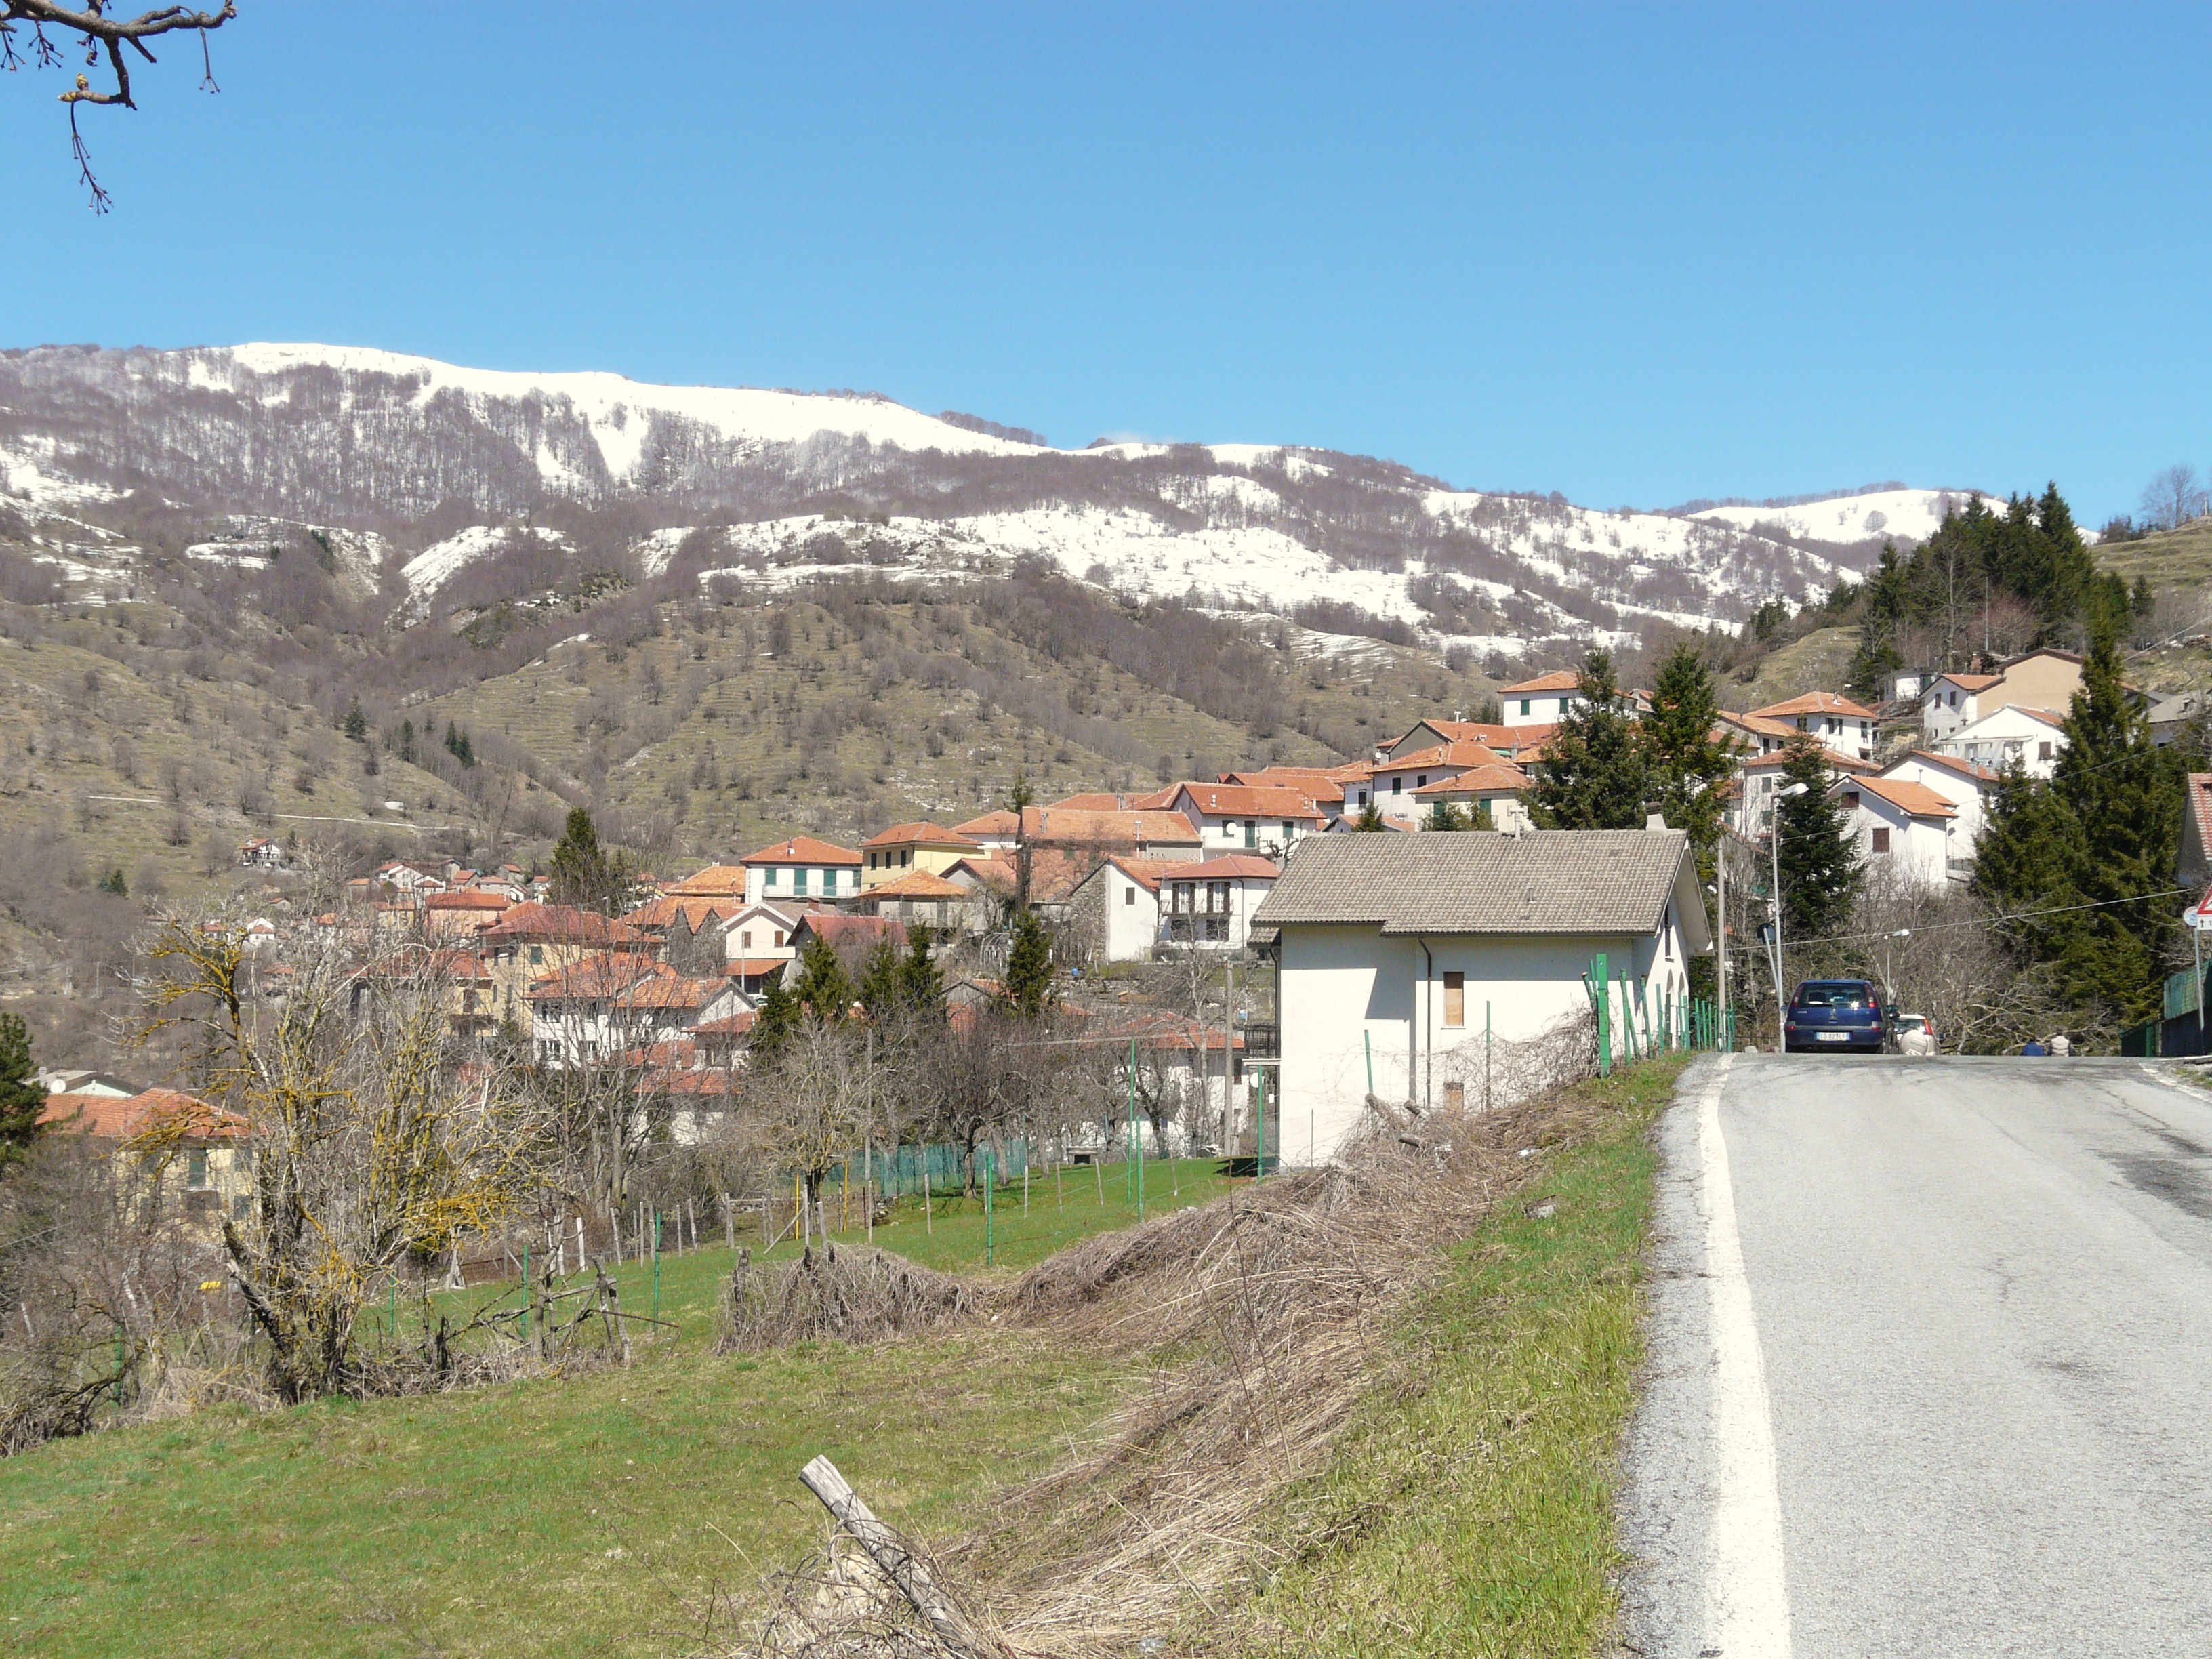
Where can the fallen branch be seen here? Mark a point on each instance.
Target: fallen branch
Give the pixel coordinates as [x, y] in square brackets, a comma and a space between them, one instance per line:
[898, 1564]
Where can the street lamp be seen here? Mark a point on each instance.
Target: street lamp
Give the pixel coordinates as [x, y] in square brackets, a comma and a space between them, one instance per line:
[1774, 853]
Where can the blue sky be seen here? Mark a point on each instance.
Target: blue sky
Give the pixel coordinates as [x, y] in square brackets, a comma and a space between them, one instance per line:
[1634, 253]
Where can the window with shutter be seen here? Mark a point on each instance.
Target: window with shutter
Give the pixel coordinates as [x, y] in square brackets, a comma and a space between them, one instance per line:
[1881, 840]
[1129, 896]
[1454, 999]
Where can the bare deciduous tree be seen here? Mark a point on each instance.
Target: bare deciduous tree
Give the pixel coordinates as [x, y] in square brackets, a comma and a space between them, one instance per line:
[2174, 496]
[98, 34]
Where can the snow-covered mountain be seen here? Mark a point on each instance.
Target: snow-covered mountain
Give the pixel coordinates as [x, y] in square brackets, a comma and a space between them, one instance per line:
[409, 474]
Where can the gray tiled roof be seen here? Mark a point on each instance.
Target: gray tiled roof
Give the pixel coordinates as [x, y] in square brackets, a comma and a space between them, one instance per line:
[1546, 881]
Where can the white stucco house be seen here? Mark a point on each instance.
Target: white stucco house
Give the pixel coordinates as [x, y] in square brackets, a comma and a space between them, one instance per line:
[2030, 739]
[1240, 818]
[1543, 701]
[800, 868]
[1209, 905]
[1116, 908]
[1390, 949]
[1842, 727]
[1966, 786]
[1903, 827]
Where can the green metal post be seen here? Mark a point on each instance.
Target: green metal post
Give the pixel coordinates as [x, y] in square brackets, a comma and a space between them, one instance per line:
[529, 1296]
[1368, 1038]
[1600, 978]
[990, 1234]
[1131, 1164]
[656, 1264]
[392, 1318]
[1259, 1164]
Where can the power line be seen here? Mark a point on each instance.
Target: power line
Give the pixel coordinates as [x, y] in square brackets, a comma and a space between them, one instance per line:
[1999, 918]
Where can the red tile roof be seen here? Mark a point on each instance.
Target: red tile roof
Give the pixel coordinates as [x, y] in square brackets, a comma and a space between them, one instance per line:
[916, 884]
[1816, 703]
[1229, 867]
[593, 978]
[1240, 801]
[1497, 779]
[1053, 825]
[918, 834]
[1460, 752]
[715, 881]
[803, 849]
[165, 1112]
[561, 924]
[1563, 679]
[470, 898]
[1917, 799]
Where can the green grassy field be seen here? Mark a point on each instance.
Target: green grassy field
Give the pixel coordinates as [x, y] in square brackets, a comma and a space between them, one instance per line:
[1469, 1509]
[597, 1514]
[619, 1512]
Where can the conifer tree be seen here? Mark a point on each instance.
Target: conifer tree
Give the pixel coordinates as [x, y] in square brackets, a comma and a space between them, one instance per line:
[356, 723]
[1030, 967]
[1370, 818]
[2124, 793]
[1818, 863]
[1593, 776]
[21, 1098]
[585, 873]
[921, 987]
[774, 1022]
[1448, 815]
[883, 980]
[1688, 768]
[823, 987]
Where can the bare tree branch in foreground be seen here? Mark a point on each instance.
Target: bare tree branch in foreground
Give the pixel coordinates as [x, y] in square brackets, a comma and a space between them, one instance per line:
[97, 35]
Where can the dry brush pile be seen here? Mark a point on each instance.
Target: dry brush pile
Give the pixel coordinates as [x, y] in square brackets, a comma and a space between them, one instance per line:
[1264, 1318]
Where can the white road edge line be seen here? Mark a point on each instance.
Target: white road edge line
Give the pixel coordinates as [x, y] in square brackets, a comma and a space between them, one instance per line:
[1747, 1596]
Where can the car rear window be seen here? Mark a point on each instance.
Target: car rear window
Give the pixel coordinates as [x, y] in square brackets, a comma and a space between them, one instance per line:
[1843, 993]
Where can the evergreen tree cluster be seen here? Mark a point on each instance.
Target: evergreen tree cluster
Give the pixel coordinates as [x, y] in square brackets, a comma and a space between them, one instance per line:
[22, 1097]
[1936, 606]
[1606, 766]
[2102, 833]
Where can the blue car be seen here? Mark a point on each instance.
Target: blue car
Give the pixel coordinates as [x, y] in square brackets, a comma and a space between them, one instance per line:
[1835, 1014]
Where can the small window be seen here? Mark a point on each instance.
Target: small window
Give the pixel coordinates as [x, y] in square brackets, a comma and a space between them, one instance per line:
[1129, 896]
[907, 857]
[537, 953]
[1397, 786]
[829, 881]
[1420, 781]
[773, 873]
[1454, 999]
[745, 939]
[1851, 800]
[195, 1173]
[1881, 840]
[2042, 751]
[1524, 705]
[1251, 832]
[1288, 830]
[799, 881]
[779, 939]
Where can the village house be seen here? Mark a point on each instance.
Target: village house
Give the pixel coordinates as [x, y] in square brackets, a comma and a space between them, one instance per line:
[756, 944]
[906, 847]
[1901, 826]
[1090, 833]
[601, 1006]
[2193, 860]
[1967, 786]
[1492, 796]
[1116, 909]
[464, 914]
[2009, 735]
[1752, 734]
[1209, 905]
[262, 854]
[1190, 1076]
[2045, 678]
[1324, 786]
[1751, 791]
[1846, 727]
[202, 1155]
[1400, 958]
[1543, 701]
[534, 939]
[1230, 818]
[855, 939]
[918, 898]
[799, 868]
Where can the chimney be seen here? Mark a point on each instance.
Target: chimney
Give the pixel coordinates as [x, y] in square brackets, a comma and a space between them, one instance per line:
[1654, 820]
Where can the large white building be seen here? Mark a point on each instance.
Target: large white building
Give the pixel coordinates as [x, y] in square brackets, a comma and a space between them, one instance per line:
[1842, 727]
[1392, 949]
[1899, 825]
[1543, 701]
[2015, 735]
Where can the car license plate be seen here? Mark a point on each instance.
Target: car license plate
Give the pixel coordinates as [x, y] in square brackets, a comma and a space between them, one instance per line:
[1833, 1036]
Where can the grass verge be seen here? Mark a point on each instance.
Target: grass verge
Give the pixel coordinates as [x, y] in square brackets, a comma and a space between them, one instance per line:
[1469, 1508]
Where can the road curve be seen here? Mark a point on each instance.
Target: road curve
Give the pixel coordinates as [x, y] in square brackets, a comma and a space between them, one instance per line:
[1930, 1367]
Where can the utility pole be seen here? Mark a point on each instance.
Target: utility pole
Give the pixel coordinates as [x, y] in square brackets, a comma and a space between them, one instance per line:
[1719, 869]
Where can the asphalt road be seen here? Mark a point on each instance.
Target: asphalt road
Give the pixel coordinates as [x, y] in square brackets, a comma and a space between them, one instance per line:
[1931, 1364]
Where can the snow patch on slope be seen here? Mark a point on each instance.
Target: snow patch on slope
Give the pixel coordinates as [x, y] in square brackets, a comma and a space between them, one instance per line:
[432, 568]
[1906, 514]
